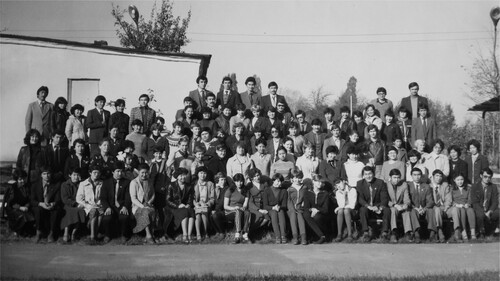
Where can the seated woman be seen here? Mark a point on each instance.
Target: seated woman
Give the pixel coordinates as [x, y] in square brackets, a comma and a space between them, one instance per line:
[296, 193]
[316, 206]
[282, 165]
[460, 200]
[74, 213]
[218, 215]
[142, 195]
[346, 200]
[436, 160]
[308, 163]
[180, 198]
[235, 205]
[104, 160]
[17, 199]
[275, 201]
[77, 160]
[88, 196]
[204, 196]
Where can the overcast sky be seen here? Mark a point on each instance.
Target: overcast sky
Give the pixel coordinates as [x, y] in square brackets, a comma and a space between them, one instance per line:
[303, 44]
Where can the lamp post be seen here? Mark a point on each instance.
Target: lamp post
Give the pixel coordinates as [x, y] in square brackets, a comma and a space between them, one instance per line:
[134, 14]
[495, 17]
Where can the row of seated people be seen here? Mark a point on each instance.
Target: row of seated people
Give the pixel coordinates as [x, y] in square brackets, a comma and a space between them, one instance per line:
[119, 206]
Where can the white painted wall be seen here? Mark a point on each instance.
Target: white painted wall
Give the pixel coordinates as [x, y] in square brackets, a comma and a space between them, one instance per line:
[27, 65]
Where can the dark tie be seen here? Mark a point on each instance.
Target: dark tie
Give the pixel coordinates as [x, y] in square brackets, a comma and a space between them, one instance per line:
[425, 125]
[46, 193]
[57, 155]
[116, 194]
[251, 98]
[371, 195]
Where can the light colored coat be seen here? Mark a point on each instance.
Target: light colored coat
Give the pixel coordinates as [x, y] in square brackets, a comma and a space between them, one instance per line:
[443, 196]
[85, 195]
[136, 190]
[437, 161]
[352, 196]
[39, 118]
[75, 129]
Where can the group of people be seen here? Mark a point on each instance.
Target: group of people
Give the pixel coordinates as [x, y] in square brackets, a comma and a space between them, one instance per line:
[243, 161]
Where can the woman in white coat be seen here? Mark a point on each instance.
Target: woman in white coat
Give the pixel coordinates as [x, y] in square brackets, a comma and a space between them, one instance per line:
[142, 194]
[75, 126]
[88, 196]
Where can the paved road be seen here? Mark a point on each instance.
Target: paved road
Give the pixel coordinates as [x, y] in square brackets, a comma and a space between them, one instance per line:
[70, 261]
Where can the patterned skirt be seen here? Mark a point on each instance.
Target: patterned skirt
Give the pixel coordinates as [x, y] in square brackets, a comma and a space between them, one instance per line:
[144, 217]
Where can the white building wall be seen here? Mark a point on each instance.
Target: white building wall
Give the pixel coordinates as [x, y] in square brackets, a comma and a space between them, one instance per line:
[27, 65]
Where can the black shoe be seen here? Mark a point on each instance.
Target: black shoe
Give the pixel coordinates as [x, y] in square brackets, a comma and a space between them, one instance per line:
[321, 240]
[394, 239]
[432, 236]
[409, 237]
[417, 237]
[366, 237]
[237, 240]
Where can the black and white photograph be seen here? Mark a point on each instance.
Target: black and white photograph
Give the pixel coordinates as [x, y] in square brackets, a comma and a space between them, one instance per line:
[249, 140]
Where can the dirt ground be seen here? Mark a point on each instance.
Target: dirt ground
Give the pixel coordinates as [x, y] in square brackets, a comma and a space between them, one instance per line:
[24, 260]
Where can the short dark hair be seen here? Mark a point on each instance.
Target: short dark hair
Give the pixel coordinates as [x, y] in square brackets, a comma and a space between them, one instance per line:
[227, 78]
[372, 127]
[180, 171]
[293, 124]
[456, 148]
[100, 98]
[239, 177]
[250, 79]
[414, 153]
[437, 171]
[119, 102]
[241, 106]
[59, 132]
[390, 113]
[316, 121]
[416, 170]
[60, 100]
[128, 144]
[332, 149]
[475, 143]
[80, 141]
[368, 169]
[413, 84]
[201, 169]
[254, 172]
[487, 170]
[345, 109]
[423, 106]
[392, 148]
[75, 107]
[260, 141]
[437, 141]
[357, 113]
[209, 95]
[394, 172]
[144, 96]
[118, 166]
[272, 83]
[278, 176]
[404, 109]
[201, 77]
[42, 88]
[352, 150]
[301, 112]
[137, 122]
[329, 110]
[381, 89]
[188, 99]
[19, 174]
[296, 173]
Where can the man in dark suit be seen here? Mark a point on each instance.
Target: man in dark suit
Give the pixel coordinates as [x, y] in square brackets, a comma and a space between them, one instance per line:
[199, 95]
[38, 114]
[144, 113]
[218, 216]
[46, 204]
[413, 101]
[484, 201]
[250, 96]
[228, 96]
[423, 127]
[373, 199]
[54, 156]
[272, 99]
[422, 202]
[116, 202]
[304, 126]
[328, 123]
[98, 122]
[330, 167]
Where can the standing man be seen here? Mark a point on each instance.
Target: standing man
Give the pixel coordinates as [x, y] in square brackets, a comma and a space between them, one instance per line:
[484, 201]
[423, 127]
[199, 95]
[373, 199]
[271, 100]
[227, 96]
[250, 96]
[38, 114]
[144, 113]
[381, 103]
[413, 101]
[98, 122]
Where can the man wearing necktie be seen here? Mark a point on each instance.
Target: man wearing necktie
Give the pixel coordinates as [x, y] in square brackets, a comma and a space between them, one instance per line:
[272, 99]
[250, 96]
[442, 200]
[38, 114]
[422, 202]
[115, 199]
[484, 201]
[227, 96]
[423, 127]
[97, 121]
[54, 156]
[46, 201]
[330, 167]
[144, 113]
[373, 199]
[199, 95]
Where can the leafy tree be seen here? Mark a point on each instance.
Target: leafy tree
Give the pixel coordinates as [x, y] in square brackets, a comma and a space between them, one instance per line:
[319, 101]
[295, 100]
[162, 32]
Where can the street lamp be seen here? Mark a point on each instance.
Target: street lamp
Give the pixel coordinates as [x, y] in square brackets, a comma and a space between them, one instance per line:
[134, 14]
